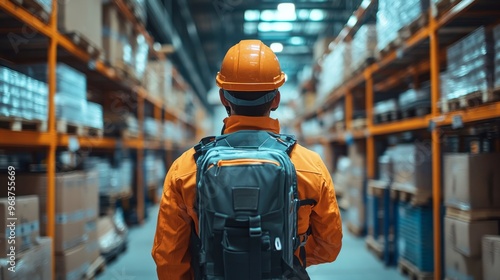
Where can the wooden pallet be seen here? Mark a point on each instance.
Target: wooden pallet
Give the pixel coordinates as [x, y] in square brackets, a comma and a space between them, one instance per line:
[413, 273]
[363, 65]
[20, 124]
[472, 215]
[93, 132]
[414, 196]
[358, 124]
[98, 266]
[83, 42]
[387, 117]
[127, 134]
[65, 127]
[35, 8]
[377, 187]
[418, 111]
[390, 47]
[443, 6]
[470, 100]
[407, 31]
[374, 246]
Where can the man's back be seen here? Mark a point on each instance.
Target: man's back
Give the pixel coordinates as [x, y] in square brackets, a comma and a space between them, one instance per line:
[177, 211]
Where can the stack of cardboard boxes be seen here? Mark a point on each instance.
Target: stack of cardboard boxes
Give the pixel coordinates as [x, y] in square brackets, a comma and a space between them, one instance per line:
[472, 197]
[76, 210]
[24, 254]
[356, 188]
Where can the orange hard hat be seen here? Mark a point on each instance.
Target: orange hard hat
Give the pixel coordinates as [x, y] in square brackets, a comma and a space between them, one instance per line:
[250, 65]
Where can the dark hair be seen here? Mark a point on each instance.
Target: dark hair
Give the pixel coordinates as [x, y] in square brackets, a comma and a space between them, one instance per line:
[251, 111]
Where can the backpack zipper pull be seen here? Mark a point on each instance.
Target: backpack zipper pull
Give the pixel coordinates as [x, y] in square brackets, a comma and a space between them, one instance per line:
[277, 244]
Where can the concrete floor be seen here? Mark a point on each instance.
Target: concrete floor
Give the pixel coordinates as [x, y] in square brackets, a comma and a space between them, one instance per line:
[353, 263]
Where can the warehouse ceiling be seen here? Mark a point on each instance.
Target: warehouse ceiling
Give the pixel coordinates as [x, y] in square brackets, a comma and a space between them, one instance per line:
[203, 30]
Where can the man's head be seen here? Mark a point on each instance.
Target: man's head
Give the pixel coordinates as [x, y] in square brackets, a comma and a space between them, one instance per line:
[249, 79]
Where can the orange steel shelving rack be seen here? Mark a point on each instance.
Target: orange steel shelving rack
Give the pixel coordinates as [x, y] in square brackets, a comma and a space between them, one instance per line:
[51, 140]
[468, 14]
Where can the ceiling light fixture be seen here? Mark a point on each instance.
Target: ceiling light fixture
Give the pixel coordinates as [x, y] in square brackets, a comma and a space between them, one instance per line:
[316, 15]
[276, 47]
[252, 15]
[297, 41]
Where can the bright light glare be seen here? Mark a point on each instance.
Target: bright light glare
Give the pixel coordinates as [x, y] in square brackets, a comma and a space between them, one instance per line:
[252, 15]
[295, 40]
[286, 8]
[276, 47]
[265, 27]
[275, 26]
[352, 21]
[303, 14]
[250, 27]
[268, 15]
[316, 15]
[286, 11]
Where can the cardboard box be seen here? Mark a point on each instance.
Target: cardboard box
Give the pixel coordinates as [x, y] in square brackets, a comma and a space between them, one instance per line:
[491, 257]
[412, 166]
[82, 17]
[36, 263]
[111, 36]
[465, 237]
[460, 267]
[70, 211]
[92, 243]
[72, 264]
[23, 225]
[91, 196]
[472, 181]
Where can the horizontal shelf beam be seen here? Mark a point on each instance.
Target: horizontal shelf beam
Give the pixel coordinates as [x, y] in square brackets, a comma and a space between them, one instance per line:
[9, 138]
[400, 126]
[469, 115]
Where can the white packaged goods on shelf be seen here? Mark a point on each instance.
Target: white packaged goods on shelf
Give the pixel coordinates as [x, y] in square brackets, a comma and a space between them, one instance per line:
[496, 36]
[22, 96]
[385, 106]
[311, 127]
[469, 65]
[364, 45]
[173, 131]
[141, 56]
[412, 165]
[94, 116]
[413, 96]
[71, 109]
[336, 69]
[393, 15]
[69, 81]
[151, 127]
[161, 170]
[127, 174]
[140, 10]
[150, 170]
[387, 18]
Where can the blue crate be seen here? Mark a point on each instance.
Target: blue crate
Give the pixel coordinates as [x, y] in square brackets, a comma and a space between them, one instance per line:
[415, 235]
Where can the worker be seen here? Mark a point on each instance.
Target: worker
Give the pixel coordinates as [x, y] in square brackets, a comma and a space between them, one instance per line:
[250, 74]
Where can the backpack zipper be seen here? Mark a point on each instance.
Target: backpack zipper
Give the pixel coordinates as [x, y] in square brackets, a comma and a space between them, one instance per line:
[244, 161]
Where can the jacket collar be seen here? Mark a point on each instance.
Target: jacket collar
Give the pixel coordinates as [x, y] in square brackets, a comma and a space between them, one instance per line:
[236, 123]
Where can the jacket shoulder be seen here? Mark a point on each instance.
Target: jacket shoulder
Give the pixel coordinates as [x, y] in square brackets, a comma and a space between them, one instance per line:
[306, 160]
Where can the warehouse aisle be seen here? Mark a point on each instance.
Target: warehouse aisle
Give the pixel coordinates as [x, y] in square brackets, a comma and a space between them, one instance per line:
[354, 262]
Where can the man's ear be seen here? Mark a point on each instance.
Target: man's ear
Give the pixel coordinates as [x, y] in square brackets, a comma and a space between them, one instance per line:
[276, 101]
[223, 99]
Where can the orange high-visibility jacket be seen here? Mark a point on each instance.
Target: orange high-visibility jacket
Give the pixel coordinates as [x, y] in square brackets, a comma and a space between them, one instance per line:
[171, 244]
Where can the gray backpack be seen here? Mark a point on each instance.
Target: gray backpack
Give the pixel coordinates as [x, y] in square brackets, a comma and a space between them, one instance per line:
[247, 206]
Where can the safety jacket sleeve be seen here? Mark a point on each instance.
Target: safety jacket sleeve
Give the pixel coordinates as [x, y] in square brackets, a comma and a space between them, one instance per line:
[325, 241]
[171, 243]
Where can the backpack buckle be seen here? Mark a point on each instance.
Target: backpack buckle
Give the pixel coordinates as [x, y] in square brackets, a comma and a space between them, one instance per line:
[303, 239]
[255, 229]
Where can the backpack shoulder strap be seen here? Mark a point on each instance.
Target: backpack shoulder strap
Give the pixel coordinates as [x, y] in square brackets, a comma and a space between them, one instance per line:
[247, 139]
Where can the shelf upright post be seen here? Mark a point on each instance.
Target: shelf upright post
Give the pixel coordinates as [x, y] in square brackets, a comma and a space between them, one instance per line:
[370, 141]
[51, 156]
[140, 160]
[436, 143]
[348, 110]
